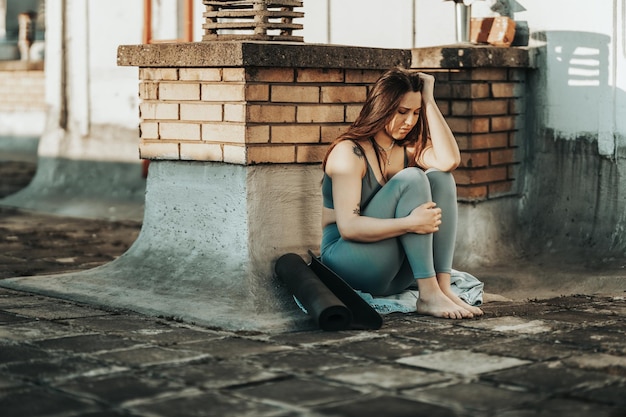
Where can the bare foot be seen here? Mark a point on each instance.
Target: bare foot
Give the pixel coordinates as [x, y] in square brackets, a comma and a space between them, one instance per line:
[439, 305]
[456, 300]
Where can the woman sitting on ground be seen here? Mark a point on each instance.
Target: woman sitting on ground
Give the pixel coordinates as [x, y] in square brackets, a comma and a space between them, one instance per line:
[390, 211]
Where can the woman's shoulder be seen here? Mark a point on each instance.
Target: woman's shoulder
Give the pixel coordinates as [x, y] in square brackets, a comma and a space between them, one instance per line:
[347, 155]
[352, 145]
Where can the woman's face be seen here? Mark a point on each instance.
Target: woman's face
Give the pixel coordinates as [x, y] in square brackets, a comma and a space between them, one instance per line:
[406, 115]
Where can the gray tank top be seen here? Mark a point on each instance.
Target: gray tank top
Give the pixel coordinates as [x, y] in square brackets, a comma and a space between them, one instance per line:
[369, 186]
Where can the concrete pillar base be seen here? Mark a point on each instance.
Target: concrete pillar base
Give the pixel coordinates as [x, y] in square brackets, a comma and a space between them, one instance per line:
[92, 176]
[206, 251]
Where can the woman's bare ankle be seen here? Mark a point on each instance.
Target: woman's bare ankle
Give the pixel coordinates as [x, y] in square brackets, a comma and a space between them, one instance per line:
[434, 302]
[460, 302]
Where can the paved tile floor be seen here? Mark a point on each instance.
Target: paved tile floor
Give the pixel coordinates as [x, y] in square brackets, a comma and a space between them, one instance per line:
[559, 357]
[563, 356]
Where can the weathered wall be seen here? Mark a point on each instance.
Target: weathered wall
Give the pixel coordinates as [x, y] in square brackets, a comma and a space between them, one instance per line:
[574, 197]
[88, 159]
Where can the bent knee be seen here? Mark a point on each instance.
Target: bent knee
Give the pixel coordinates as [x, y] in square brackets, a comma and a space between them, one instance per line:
[411, 176]
[436, 176]
[442, 185]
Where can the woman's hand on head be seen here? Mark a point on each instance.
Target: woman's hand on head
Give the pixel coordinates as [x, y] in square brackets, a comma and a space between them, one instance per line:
[425, 218]
[428, 90]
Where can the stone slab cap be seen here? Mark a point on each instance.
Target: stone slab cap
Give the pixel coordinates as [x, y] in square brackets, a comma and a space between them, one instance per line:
[474, 56]
[259, 54]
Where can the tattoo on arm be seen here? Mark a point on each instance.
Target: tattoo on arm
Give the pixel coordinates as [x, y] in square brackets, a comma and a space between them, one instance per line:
[357, 210]
[358, 151]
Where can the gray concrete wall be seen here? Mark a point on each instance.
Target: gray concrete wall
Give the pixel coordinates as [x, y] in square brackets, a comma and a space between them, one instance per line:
[205, 255]
[574, 191]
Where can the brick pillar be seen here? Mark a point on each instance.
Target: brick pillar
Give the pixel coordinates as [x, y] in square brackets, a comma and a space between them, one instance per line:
[276, 104]
[480, 91]
[235, 132]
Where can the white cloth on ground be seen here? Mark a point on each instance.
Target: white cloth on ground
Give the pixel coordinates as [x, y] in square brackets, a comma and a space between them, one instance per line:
[463, 284]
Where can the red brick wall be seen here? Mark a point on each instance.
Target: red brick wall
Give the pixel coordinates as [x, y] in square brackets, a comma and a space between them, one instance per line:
[247, 115]
[483, 107]
[288, 115]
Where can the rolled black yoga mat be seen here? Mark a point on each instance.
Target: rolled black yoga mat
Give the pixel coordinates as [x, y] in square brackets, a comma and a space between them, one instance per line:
[320, 303]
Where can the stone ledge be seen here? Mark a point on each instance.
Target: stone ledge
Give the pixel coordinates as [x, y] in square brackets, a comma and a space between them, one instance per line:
[259, 54]
[473, 56]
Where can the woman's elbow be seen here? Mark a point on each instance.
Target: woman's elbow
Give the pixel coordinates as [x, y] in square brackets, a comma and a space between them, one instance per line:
[347, 235]
[454, 164]
[449, 165]
[346, 232]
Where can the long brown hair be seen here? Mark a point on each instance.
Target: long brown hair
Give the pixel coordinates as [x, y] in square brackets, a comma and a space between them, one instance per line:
[380, 105]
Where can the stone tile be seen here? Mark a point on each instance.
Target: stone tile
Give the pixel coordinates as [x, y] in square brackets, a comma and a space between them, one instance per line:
[584, 318]
[516, 325]
[386, 406]
[321, 338]
[56, 370]
[16, 300]
[563, 407]
[39, 402]
[217, 374]
[11, 317]
[397, 323]
[119, 388]
[86, 343]
[53, 310]
[300, 392]
[9, 382]
[618, 327]
[150, 356]
[549, 377]
[232, 347]
[613, 365]
[457, 337]
[474, 397]
[7, 293]
[305, 361]
[115, 323]
[613, 306]
[109, 413]
[204, 404]
[386, 376]
[597, 339]
[569, 301]
[463, 362]
[612, 395]
[529, 349]
[384, 348]
[30, 331]
[517, 309]
[173, 336]
[20, 353]
[144, 329]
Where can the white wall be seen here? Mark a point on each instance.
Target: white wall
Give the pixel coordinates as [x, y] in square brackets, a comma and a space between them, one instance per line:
[112, 89]
[100, 98]
[400, 24]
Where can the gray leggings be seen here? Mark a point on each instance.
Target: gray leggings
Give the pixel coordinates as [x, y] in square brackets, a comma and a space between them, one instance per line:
[392, 265]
